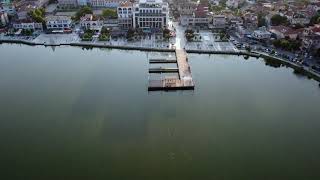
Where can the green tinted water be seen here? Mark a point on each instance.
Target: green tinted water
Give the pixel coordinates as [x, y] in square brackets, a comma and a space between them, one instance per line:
[86, 114]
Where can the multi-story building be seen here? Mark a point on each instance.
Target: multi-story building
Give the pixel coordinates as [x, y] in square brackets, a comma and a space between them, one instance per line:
[58, 22]
[311, 38]
[27, 24]
[91, 22]
[199, 18]
[105, 3]
[150, 15]
[3, 19]
[219, 21]
[124, 12]
[261, 34]
[98, 3]
[68, 3]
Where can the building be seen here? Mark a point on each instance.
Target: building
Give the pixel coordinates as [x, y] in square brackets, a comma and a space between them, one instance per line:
[311, 37]
[200, 17]
[3, 19]
[299, 19]
[233, 3]
[83, 2]
[58, 22]
[98, 3]
[68, 3]
[261, 34]
[186, 7]
[125, 16]
[27, 24]
[91, 22]
[105, 3]
[150, 15]
[284, 31]
[219, 22]
[8, 8]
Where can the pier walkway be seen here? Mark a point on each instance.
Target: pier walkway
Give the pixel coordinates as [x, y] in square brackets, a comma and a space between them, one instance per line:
[184, 82]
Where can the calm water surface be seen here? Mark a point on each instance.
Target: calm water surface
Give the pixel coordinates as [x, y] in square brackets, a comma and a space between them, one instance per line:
[86, 114]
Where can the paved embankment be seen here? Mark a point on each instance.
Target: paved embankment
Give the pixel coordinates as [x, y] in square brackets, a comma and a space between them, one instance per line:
[306, 70]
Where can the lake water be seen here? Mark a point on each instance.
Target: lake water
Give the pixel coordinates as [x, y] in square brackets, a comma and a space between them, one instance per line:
[71, 113]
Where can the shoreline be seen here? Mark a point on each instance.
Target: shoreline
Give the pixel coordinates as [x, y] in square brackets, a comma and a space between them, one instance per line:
[308, 71]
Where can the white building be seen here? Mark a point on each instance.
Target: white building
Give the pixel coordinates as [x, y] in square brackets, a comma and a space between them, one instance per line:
[150, 14]
[3, 19]
[261, 34]
[91, 22]
[299, 19]
[124, 12]
[105, 3]
[27, 24]
[58, 22]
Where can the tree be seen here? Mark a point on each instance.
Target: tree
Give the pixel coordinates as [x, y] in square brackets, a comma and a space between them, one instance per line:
[189, 33]
[277, 20]
[82, 11]
[166, 33]
[315, 19]
[317, 53]
[38, 15]
[130, 33]
[287, 44]
[109, 13]
[261, 20]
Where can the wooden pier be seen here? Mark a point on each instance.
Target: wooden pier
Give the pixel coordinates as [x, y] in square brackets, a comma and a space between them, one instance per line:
[184, 82]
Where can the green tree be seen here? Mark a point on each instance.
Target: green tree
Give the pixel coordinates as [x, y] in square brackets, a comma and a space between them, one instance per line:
[109, 13]
[261, 20]
[130, 33]
[277, 20]
[82, 11]
[189, 33]
[37, 15]
[166, 33]
[315, 19]
[287, 44]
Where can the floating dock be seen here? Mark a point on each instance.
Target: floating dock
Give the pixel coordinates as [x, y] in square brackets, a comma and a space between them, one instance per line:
[163, 70]
[162, 61]
[184, 82]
